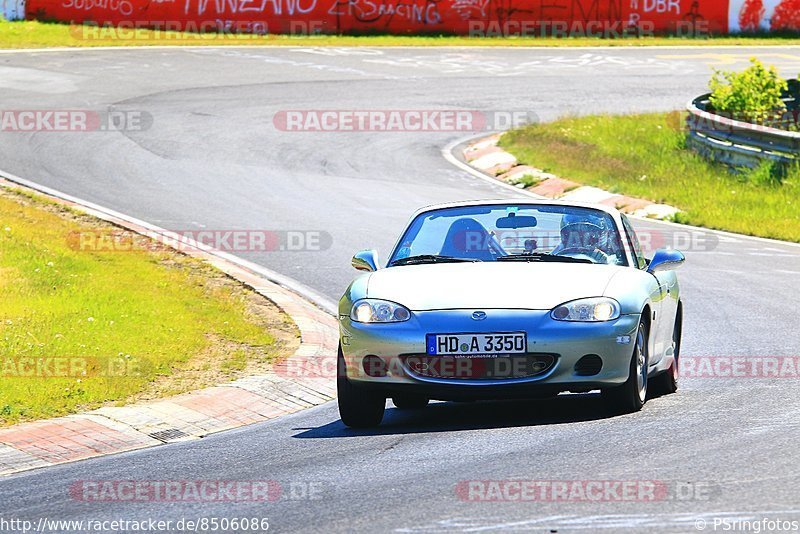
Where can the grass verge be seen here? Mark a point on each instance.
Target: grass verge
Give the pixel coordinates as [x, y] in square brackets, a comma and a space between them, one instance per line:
[645, 156]
[34, 34]
[113, 327]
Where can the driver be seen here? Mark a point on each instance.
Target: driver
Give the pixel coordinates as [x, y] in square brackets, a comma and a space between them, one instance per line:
[468, 239]
[582, 235]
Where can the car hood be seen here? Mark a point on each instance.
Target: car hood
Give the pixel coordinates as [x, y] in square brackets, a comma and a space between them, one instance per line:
[520, 285]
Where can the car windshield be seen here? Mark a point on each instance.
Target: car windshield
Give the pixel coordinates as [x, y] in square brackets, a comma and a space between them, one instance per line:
[513, 232]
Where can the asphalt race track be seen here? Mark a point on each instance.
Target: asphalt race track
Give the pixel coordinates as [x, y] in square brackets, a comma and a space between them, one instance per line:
[213, 159]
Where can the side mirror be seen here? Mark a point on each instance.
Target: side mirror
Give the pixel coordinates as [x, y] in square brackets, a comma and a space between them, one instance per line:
[366, 260]
[666, 260]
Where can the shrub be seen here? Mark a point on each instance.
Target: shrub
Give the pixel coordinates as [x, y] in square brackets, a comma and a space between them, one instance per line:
[753, 95]
[768, 173]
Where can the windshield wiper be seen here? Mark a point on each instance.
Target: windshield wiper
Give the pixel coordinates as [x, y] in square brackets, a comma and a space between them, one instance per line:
[541, 256]
[429, 258]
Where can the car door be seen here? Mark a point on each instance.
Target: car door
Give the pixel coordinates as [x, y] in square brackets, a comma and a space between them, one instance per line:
[658, 295]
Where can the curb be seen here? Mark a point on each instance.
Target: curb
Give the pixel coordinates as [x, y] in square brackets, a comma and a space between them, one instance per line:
[450, 153]
[485, 156]
[291, 385]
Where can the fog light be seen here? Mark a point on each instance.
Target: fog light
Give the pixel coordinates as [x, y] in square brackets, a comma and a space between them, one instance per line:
[374, 366]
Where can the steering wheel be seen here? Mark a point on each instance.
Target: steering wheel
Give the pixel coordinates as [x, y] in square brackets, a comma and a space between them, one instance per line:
[597, 256]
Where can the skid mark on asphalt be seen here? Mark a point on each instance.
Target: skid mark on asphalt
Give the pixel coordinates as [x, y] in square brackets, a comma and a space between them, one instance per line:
[266, 57]
[38, 81]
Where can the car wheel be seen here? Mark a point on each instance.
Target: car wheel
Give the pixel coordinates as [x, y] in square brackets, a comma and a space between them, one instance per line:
[358, 407]
[410, 402]
[667, 382]
[631, 396]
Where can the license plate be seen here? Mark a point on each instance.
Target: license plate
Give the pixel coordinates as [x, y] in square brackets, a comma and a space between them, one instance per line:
[477, 344]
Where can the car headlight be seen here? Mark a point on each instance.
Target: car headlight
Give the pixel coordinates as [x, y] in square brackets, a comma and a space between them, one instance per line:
[378, 311]
[593, 310]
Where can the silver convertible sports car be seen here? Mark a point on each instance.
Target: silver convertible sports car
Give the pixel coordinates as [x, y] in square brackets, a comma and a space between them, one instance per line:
[500, 299]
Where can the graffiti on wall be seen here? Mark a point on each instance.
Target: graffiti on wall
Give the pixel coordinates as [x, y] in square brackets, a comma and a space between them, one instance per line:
[508, 17]
[764, 15]
[424, 12]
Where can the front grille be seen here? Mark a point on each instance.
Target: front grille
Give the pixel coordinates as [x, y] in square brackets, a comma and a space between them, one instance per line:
[478, 368]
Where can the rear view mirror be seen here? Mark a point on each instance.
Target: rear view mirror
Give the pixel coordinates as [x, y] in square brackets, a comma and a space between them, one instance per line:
[366, 260]
[515, 221]
[666, 260]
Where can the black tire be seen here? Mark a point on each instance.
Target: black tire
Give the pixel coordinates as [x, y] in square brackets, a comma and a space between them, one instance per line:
[666, 383]
[358, 407]
[631, 396]
[409, 402]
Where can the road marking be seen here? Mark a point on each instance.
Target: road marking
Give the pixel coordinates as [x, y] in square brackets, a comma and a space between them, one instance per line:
[716, 270]
[465, 62]
[728, 59]
[772, 254]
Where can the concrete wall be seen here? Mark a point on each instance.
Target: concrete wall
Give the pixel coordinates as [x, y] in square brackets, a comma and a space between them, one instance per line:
[466, 17]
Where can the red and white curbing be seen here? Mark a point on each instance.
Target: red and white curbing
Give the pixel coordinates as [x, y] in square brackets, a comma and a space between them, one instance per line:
[486, 156]
[191, 415]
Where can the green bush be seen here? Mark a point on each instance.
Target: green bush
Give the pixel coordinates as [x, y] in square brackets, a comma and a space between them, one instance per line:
[768, 173]
[753, 95]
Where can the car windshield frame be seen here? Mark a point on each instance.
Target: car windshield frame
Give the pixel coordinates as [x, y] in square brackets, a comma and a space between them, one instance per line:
[543, 212]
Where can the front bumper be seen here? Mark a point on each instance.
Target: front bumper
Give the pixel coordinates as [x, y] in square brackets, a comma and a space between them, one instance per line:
[566, 342]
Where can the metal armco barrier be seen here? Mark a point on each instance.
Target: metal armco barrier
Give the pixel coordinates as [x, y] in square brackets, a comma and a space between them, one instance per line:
[741, 144]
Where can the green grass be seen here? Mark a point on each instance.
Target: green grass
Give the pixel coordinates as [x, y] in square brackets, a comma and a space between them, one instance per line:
[167, 322]
[33, 34]
[644, 156]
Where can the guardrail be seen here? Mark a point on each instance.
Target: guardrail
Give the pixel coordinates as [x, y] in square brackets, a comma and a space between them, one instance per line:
[743, 144]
